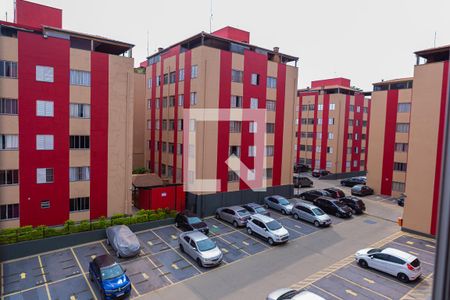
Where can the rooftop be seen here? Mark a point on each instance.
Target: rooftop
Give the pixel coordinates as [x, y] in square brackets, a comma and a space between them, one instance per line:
[436, 54]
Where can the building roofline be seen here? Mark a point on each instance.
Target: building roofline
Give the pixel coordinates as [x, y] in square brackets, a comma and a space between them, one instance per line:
[394, 80]
[434, 50]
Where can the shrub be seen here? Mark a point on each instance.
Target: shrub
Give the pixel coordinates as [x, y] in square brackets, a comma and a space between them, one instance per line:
[118, 216]
[140, 171]
[52, 231]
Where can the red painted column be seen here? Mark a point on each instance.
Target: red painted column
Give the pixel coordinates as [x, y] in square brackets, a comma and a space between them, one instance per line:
[299, 128]
[324, 143]
[34, 50]
[369, 103]
[99, 134]
[161, 107]
[187, 103]
[153, 120]
[223, 135]
[389, 142]
[175, 132]
[345, 137]
[440, 142]
[313, 156]
[279, 125]
[358, 118]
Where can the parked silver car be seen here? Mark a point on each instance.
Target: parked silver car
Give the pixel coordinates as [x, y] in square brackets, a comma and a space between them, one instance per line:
[201, 248]
[267, 228]
[290, 294]
[278, 203]
[123, 241]
[311, 213]
[236, 215]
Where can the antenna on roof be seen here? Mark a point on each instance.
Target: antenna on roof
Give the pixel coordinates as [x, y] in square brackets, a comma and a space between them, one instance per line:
[435, 33]
[148, 53]
[211, 16]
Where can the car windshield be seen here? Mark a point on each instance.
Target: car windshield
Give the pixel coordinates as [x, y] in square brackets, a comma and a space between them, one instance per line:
[318, 211]
[273, 225]
[205, 245]
[242, 212]
[415, 263]
[194, 220]
[374, 250]
[260, 209]
[112, 271]
[339, 203]
[283, 201]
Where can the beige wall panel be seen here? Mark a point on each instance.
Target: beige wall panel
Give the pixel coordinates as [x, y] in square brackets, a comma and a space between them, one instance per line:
[9, 88]
[9, 194]
[120, 136]
[79, 158]
[80, 94]
[139, 123]
[9, 124]
[9, 48]
[79, 189]
[9, 159]
[79, 216]
[10, 224]
[237, 61]
[271, 94]
[399, 176]
[422, 146]
[80, 59]
[78, 126]
[401, 157]
[403, 118]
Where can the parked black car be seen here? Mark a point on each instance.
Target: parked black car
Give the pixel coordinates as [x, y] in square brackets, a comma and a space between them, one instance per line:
[189, 221]
[299, 168]
[335, 193]
[254, 208]
[313, 194]
[301, 181]
[361, 190]
[356, 204]
[318, 173]
[333, 206]
[350, 182]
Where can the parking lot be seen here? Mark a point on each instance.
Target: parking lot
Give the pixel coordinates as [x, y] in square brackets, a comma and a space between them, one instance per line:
[347, 280]
[63, 274]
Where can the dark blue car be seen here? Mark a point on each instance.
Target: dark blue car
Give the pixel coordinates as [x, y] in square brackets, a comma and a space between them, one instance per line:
[110, 277]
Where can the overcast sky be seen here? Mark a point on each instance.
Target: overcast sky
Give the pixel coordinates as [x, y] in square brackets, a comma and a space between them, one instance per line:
[364, 40]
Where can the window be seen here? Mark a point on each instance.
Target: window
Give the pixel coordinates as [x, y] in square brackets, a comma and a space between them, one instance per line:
[236, 76]
[149, 104]
[79, 141]
[253, 103]
[251, 151]
[232, 176]
[171, 148]
[331, 121]
[8, 69]
[320, 107]
[171, 101]
[44, 108]
[332, 106]
[79, 204]
[9, 211]
[304, 107]
[9, 142]
[356, 136]
[172, 125]
[329, 164]
[192, 125]
[319, 135]
[349, 136]
[158, 80]
[363, 136]
[44, 175]
[364, 123]
[347, 164]
[45, 204]
[270, 105]
[401, 147]
[269, 173]
[271, 82]
[255, 79]
[235, 126]
[251, 174]
[164, 102]
[193, 98]
[164, 124]
[79, 173]
[180, 124]
[8, 106]
[166, 78]
[81, 110]
[157, 103]
[236, 101]
[194, 71]
[181, 100]
[356, 122]
[180, 149]
[181, 75]
[311, 121]
[82, 78]
[44, 142]
[311, 106]
[9, 177]
[163, 169]
[398, 186]
[329, 149]
[236, 150]
[358, 109]
[318, 149]
[172, 77]
[149, 83]
[404, 107]
[319, 121]
[401, 167]
[351, 108]
[355, 163]
[362, 162]
[350, 122]
[270, 127]
[44, 74]
[252, 127]
[403, 127]
[269, 150]
[330, 135]
[366, 110]
[356, 150]
[149, 124]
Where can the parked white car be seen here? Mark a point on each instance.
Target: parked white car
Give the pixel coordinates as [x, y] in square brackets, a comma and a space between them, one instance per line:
[406, 267]
[290, 294]
[267, 228]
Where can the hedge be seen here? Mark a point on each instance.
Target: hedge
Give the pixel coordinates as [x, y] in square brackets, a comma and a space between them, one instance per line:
[27, 233]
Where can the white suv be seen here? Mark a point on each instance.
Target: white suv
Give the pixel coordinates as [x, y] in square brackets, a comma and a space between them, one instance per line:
[404, 266]
[267, 228]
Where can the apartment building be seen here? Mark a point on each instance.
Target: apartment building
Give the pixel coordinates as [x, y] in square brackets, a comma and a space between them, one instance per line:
[221, 70]
[138, 119]
[66, 110]
[332, 123]
[389, 136]
[430, 94]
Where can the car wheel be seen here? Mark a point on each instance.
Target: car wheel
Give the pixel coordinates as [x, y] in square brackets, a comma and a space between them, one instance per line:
[181, 248]
[235, 224]
[362, 263]
[249, 231]
[217, 216]
[316, 223]
[353, 211]
[199, 262]
[270, 241]
[403, 277]
[296, 216]
[283, 211]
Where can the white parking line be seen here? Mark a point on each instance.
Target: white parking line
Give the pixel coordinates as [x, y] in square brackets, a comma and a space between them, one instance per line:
[159, 269]
[325, 291]
[44, 277]
[84, 274]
